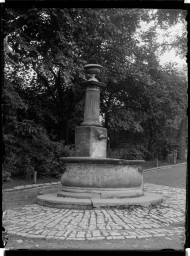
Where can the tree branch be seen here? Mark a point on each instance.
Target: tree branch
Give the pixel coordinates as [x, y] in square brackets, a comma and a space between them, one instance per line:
[45, 82]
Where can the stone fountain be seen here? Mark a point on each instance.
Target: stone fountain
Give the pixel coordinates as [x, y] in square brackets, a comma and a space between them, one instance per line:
[91, 180]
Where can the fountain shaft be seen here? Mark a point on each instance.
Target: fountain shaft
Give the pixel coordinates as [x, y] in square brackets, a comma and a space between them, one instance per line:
[91, 137]
[92, 109]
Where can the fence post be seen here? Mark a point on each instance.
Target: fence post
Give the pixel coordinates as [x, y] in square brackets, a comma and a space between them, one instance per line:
[35, 177]
[156, 161]
[174, 156]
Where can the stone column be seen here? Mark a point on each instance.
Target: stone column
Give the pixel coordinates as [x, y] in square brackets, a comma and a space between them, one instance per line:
[92, 106]
[90, 136]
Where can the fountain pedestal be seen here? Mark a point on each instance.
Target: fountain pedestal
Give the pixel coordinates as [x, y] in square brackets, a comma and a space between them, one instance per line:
[90, 141]
[92, 103]
[91, 180]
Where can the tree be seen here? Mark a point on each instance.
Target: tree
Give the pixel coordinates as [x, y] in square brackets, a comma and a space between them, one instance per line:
[49, 52]
[56, 43]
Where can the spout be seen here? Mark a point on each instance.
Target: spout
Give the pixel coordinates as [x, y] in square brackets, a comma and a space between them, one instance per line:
[102, 137]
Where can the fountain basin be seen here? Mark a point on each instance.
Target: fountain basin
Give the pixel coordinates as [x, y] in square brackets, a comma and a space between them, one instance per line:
[101, 177]
[90, 183]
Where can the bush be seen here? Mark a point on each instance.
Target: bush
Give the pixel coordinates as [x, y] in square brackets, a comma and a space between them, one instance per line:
[134, 152]
[29, 149]
[6, 175]
[166, 146]
[131, 152]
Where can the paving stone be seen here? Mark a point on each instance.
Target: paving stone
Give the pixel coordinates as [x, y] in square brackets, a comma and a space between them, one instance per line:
[81, 234]
[49, 237]
[75, 238]
[88, 234]
[60, 233]
[109, 237]
[114, 233]
[158, 235]
[143, 236]
[118, 237]
[128, 237]
[96, 238]
[45, 233]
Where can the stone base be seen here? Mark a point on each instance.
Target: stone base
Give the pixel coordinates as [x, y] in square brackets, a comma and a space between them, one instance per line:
[52, 200]
[87, 143]
[81, 192]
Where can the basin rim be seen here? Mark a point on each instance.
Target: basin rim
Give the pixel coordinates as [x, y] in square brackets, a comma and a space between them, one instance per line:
[92, 160]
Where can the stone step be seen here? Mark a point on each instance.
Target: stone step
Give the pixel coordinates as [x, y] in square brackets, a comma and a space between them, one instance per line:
[52, 200]
[78, 195]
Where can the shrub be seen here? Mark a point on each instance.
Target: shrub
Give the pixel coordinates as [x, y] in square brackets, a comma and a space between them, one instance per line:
[135, 152]
[6, 175]
[29, 149]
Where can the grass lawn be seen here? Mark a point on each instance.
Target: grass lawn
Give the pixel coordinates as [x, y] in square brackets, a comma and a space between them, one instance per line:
[173, 177]
[152, 164]
[14, 182]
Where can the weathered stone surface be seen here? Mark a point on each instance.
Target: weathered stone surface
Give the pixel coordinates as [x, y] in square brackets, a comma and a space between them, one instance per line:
[146, 200]
[121, 194]
[51, 200]
[78, 195]
[92, 106]
[82, 192]
[95, 190]
[87, 141]
[102, 194]
[101, 176]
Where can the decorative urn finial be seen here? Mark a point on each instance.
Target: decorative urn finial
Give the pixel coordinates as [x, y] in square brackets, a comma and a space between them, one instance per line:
[92, 70]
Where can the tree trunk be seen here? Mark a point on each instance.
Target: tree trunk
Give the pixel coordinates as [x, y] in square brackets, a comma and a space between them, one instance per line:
[106, 120]
[182, 139]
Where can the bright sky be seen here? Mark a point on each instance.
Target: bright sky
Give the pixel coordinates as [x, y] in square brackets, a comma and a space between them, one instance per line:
[166, 36]
[170, 56]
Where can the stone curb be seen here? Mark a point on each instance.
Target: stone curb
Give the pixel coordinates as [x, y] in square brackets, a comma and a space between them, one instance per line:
[32, 186]
[163, 167]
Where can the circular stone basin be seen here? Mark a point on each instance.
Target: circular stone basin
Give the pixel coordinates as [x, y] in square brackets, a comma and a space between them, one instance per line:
[90, 183]
[104, 177]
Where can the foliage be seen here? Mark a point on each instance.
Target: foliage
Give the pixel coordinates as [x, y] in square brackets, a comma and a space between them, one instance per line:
[29, 149]
[6, 175]
[27, 146]
[134, 152]
[45, 51]
[129, 151]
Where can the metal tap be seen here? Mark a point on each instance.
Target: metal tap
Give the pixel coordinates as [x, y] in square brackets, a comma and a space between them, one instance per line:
[102, 137]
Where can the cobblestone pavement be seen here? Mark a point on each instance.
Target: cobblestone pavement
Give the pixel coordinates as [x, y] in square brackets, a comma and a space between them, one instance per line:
[166, 219]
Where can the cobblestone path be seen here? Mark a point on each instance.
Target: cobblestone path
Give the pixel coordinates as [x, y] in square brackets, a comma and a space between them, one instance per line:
[36, 221]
